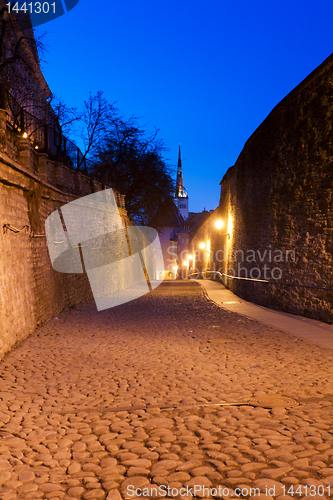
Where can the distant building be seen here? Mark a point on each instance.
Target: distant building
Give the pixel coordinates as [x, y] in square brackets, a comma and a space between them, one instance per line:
[181, 197]
[176, 227]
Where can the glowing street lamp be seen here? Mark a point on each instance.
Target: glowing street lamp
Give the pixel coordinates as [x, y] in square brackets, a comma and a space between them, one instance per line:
[202, 246]
[219, 224]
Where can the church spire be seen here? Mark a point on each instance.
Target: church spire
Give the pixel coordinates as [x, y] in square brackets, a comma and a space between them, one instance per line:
[179, 185]
[181, 198]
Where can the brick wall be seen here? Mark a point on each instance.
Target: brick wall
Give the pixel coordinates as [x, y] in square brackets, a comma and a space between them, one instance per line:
[31, 188]
[276, 203]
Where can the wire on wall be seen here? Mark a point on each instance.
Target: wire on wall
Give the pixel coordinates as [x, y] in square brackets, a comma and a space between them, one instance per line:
[9, 227]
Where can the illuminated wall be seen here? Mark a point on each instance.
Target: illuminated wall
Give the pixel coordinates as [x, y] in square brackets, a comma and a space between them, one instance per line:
[277, 205]
[31, 188]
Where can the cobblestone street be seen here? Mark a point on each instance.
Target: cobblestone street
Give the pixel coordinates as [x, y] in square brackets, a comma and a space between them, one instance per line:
[62, 437]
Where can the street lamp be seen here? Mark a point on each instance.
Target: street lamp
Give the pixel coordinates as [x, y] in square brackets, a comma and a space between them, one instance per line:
[202, 246]
[219, 224]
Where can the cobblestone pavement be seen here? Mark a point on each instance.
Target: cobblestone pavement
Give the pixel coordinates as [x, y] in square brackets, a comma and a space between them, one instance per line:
[62, 439]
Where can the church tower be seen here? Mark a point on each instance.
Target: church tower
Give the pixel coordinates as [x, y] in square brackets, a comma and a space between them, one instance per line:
[181, 198]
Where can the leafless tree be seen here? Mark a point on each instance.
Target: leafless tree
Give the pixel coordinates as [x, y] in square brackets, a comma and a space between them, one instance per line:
[97, 117]
[66, 117]
[132, 162]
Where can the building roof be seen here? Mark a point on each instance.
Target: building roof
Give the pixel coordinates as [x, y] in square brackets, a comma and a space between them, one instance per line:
[167, 216]
[195, 220]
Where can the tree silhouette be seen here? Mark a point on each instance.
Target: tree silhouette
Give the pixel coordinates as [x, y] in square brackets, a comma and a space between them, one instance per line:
[125, 158]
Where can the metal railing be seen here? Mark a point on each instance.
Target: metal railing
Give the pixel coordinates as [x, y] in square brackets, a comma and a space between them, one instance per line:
[271, 282]
[43, 132]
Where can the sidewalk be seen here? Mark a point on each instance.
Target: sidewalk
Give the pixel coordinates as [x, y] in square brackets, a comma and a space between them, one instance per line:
[309, 329]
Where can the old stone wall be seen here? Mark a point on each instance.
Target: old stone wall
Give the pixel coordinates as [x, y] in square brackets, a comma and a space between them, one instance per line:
[276, 204]
[31, 188]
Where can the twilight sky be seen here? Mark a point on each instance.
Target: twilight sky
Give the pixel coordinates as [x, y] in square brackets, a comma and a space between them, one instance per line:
[206, 74]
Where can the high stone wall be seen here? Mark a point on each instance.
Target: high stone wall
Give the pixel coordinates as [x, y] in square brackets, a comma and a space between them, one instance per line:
[277, 199]
[31, 188]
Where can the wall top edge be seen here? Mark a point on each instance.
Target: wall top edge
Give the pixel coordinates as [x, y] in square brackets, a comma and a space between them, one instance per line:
[16, 166]
[326, 65]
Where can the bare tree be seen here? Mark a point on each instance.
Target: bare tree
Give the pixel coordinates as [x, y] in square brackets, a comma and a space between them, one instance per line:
[65, 117]
[123, 156]
[132, 163]
[97, 117]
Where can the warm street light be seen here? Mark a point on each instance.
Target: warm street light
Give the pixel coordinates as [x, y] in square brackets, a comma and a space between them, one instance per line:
[189, 257]
[219, 225]
[175, 270]
[202, 246]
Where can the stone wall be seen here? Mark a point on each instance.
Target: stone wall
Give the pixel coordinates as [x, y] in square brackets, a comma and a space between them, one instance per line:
[31, 188]
[276, 204]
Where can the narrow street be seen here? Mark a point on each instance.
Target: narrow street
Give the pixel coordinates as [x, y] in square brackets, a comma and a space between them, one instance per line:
[95, 405]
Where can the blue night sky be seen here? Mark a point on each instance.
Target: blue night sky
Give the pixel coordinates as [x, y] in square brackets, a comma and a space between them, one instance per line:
[205, 74]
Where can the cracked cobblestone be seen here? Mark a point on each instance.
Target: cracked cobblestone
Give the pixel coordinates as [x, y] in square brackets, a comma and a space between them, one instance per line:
[84, 405]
